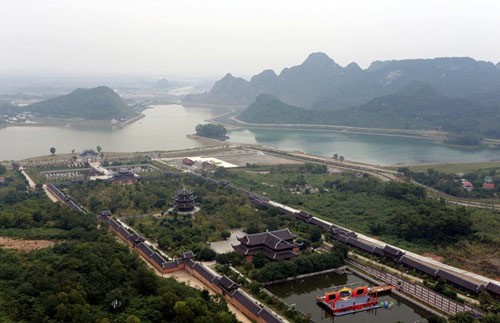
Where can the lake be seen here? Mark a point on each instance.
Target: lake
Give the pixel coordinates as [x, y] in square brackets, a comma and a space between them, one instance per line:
[165, 128]
[302, 295]
[371, 149]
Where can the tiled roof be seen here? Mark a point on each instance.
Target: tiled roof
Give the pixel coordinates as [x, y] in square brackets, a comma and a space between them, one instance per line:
[204, 272]
[227, 283]
[492, 287]
[187, 255]
[158, 259]
[418, 265]
[457, 280]
[145, 248]
[360, 244]
[320, 223]
[392, 251]
[248, 303]
[268, 316]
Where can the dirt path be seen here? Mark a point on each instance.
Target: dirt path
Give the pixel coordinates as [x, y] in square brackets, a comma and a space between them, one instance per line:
[25, 245]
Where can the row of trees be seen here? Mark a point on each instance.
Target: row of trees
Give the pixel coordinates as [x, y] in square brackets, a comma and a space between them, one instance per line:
[52, 150]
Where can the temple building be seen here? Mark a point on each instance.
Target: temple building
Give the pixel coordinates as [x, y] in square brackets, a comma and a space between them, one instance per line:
[488, 183]
[124, 176]
[89, 155]
[275, 245]
[184, 201]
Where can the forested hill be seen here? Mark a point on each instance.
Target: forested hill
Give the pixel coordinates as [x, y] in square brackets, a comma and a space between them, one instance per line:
[417, 106]
[319, 83]
[100, 103]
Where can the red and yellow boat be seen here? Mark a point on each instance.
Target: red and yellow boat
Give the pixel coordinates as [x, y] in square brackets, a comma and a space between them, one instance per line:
[349, 301]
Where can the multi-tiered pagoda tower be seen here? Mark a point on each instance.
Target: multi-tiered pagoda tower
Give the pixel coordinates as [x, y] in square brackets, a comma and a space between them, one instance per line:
[184, 200]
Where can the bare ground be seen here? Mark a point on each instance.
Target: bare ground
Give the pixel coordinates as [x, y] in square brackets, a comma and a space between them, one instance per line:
[25, 245]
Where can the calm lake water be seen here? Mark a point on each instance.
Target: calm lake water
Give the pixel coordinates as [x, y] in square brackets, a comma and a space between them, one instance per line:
[371, 149]
[303, 294]
[165, 128]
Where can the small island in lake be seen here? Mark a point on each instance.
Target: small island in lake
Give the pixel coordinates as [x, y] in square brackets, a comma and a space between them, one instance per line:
[211, 130]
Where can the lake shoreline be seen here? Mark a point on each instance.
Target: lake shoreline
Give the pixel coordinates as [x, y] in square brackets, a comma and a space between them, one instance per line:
[434, 135]
[69, 123]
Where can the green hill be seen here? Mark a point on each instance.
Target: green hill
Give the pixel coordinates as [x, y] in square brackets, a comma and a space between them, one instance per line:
[100, 103]
[417, 106]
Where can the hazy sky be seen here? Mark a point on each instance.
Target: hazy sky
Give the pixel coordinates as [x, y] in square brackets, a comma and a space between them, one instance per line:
[210, 37]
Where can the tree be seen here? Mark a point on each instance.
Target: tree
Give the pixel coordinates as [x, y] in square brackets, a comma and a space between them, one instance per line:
[341, 158]
[335, 156]
[98, 148]
[462, 317]
[206, 254]
[225, 234]
[74, 158]
[73, 151]
[211, 130]
[52, 151]
[2, 169]
[259, 260]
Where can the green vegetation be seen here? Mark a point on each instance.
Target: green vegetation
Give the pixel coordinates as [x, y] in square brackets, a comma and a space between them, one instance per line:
[143, 203]
[97, 281]
[100, 103]
[397, 213]
[211, 130]
[88, 276]
[464, 139]
[303, 264]
[417, 106]
[451, 183]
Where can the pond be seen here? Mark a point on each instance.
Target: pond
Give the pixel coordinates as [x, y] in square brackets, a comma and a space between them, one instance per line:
[302, 293]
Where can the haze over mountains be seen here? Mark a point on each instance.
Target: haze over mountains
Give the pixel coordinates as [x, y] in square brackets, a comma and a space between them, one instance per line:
[453, 94]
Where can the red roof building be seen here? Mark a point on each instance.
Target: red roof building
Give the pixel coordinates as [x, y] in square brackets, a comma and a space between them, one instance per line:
[275, 245]
[188, 162]
[467, 186]
[488, 183]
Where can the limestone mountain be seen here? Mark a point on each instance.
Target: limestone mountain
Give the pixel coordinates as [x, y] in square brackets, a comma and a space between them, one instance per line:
[321, 84]
[100, 103]
[229, 90]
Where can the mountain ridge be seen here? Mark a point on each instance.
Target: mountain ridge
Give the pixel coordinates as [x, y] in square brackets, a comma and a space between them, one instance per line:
[320, 83]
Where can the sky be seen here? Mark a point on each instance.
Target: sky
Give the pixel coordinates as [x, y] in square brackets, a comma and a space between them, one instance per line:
[208, 38]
